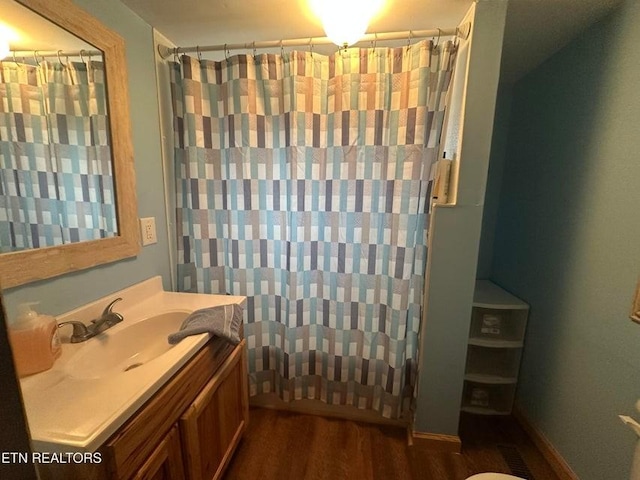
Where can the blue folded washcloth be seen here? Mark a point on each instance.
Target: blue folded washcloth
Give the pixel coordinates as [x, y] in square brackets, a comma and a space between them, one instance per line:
[221, 320]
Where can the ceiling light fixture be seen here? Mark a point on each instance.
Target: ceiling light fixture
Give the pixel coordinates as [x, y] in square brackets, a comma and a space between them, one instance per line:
[7, 34]
[345, 21]
[4, 48]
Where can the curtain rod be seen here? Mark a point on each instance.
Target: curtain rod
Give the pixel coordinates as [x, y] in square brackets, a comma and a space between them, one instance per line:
[461, 31]
[51, 53]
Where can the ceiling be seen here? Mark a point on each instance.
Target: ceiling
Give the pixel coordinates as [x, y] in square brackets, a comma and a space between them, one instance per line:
[535, 28]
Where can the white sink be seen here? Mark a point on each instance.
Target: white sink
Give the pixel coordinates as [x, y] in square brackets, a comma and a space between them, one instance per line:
[126, 348]
[95, 386]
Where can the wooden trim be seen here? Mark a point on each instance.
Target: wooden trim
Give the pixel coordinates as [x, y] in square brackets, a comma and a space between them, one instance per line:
[167, 454]
[224, 463]
[319, 408]
[244, 407]
[18, 268]
[546, 448]
[204, 397]
[245, 386]
[190, 438]
[635, 308]
[434, 442]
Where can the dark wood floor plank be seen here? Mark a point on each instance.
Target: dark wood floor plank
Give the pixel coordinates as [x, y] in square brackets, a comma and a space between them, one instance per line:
[480, 438]
[530, 454]
[281, 445]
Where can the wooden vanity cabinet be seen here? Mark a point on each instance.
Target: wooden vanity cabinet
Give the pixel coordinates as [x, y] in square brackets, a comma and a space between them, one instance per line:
[188, 430]
[191, 426]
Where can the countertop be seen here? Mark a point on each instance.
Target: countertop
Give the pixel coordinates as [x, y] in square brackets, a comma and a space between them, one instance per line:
[79, 414]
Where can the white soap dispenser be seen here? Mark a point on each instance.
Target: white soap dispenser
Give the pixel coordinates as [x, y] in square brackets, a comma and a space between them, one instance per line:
[34, 340]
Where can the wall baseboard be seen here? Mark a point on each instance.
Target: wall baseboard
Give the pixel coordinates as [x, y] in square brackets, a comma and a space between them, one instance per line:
[419, 440]
[549, 452]
[434, 442]
[317, 407]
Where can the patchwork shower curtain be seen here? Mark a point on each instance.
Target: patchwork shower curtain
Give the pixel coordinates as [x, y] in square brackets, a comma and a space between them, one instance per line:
[302, 183]
[56, 181]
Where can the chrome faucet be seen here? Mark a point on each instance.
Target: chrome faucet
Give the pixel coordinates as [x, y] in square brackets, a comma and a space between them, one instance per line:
[82, 332]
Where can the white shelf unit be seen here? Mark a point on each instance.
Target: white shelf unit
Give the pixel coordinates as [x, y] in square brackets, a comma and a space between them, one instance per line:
[496, 339]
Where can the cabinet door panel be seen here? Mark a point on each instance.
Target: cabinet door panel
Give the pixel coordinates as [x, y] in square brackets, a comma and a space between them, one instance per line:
[212, 426]
[230, 415]
[165, 463]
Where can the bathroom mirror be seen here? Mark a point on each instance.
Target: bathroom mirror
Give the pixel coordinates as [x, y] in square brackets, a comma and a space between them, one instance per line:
[56, 170]
[111, 193]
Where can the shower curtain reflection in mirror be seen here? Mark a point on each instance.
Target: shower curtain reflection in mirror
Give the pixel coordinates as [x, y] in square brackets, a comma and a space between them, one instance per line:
[56, 180]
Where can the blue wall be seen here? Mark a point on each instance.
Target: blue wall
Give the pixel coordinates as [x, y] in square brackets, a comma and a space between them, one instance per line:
[454, 236]
[568, 242]
[69, 291]
[494, 179]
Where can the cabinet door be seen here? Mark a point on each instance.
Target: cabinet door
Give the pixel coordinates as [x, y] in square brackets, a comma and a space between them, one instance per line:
[213, 425]
[165, 463]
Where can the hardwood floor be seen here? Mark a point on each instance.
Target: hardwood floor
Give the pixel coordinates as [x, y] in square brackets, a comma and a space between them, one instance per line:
[484, 438]
[280, 445]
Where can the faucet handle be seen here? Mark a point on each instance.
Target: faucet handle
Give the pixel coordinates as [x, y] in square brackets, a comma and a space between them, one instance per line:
[108, 309]
[80, 330]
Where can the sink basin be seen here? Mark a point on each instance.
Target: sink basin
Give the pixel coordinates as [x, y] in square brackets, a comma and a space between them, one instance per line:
[127, 348]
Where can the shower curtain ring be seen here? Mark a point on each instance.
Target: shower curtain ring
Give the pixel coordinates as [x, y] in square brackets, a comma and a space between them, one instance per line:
[35, 57]
[199, 53]
[311, 46]
[409, 39]
[253, 44]
[438, 40]
[18, 65]
[60, 59]
[281, 49]
[82, 56]
[226, 52]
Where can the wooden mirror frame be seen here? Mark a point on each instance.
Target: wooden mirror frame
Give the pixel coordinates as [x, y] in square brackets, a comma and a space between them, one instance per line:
[19, 268]
[635, 309]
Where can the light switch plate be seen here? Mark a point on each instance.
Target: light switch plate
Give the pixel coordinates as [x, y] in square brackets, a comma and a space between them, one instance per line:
[148, 230]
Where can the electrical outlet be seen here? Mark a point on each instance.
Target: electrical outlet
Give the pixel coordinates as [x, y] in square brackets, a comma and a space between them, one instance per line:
[148, 230]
